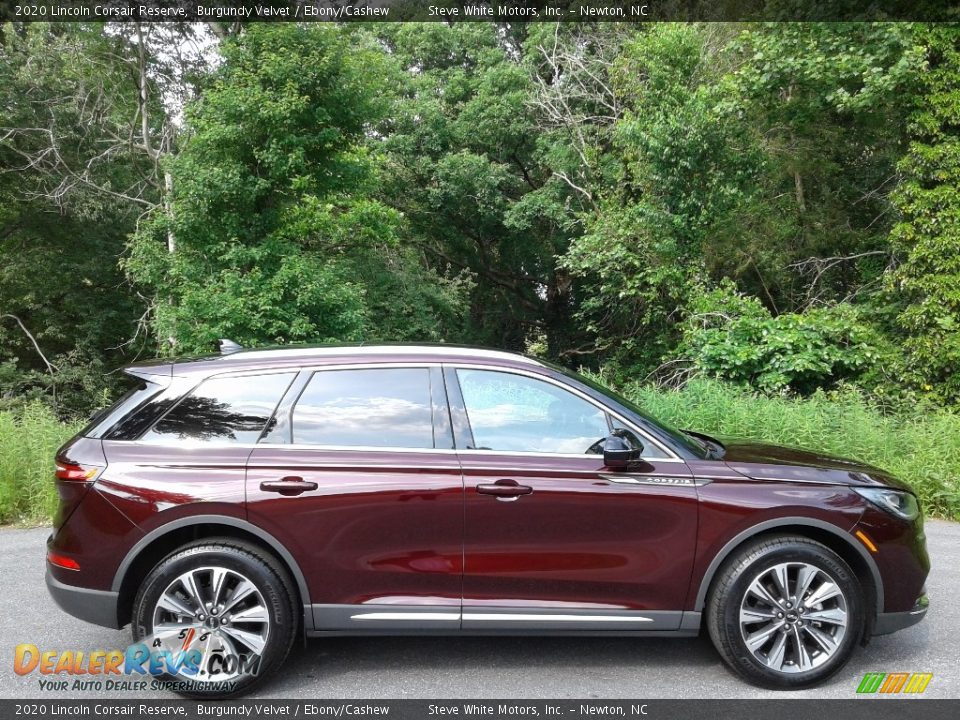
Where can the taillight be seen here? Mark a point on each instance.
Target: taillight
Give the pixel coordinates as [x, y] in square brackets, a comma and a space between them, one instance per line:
[76, 472]
[73, 479]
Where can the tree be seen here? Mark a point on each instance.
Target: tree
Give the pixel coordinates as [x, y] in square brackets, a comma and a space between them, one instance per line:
[465, 164]
[927, 235]
[763, 155]
[278, 237]
[72, 184]
[677, 167]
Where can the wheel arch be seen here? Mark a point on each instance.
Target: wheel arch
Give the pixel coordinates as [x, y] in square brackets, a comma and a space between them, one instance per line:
[158, 543]
[826, 533]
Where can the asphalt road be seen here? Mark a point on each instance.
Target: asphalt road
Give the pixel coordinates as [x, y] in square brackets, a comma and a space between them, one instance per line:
[438, 668]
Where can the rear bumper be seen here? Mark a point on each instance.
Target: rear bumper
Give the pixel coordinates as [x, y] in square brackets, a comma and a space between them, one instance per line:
[94, 606]
[891, 622]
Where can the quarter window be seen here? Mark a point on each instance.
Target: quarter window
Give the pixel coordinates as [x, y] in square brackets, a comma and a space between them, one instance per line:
[516, 413]
[385, 407]
[223, 409]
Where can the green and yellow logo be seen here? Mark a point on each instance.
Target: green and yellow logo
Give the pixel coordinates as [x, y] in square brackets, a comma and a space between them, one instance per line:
[889, 683]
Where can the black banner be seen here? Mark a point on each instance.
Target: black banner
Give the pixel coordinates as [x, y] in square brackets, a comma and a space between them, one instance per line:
[785, 709]
[512, 11]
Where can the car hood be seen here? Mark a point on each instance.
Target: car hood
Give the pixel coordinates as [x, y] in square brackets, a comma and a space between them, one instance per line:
[765, 461]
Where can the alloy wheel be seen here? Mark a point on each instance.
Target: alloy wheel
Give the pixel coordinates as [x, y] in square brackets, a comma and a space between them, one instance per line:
[219, 612]
[793, 617]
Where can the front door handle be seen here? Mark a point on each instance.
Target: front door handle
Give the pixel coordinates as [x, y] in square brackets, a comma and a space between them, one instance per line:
[289, 486]
[506, 490]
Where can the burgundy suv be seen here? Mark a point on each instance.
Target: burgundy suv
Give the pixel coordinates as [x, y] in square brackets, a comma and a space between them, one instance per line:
[228, 504]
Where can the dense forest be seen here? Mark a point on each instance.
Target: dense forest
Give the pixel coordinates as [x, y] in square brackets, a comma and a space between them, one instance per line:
[774, 206]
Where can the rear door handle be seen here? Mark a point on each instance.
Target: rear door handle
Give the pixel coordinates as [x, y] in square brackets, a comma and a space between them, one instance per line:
[506, 490]
[289, 486]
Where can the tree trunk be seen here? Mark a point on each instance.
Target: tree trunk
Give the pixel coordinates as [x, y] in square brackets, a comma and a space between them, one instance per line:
[168, 209]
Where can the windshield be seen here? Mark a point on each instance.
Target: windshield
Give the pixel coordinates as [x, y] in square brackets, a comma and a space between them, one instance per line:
[698, 447]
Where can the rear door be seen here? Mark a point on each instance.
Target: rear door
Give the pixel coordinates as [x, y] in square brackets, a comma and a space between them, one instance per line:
[554, 540]
[188, 445]
[359, 480]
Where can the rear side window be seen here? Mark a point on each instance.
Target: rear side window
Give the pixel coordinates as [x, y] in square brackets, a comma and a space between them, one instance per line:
[223, 410]
[387, 407]
[108, 417]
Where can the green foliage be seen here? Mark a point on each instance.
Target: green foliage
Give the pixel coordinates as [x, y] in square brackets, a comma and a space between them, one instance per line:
[464, 165]
[29, 438]
[771, 204]
[920, 446]
[62, 97]
[734, 337]
[277, 238]
[683, 171]
[763, 156]
[928, 233]
[825, 106]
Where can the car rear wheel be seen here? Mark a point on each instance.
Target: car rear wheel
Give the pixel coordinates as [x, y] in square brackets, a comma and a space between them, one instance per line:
[223, 610]
[785, 612]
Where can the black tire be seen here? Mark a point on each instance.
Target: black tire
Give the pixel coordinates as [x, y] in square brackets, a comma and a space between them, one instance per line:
[248, 561]
[729, 592]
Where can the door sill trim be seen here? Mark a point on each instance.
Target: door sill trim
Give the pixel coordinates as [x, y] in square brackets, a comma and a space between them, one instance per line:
[373, 618]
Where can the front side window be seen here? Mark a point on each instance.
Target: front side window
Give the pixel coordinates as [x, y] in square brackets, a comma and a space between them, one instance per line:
[376, 407]
[516, 413]
[223, 410]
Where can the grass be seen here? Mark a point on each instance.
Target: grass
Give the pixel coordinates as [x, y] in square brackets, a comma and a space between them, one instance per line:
[29, 438]
[920, 447]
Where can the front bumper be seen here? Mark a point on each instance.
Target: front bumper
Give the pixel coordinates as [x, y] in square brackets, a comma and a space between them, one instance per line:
[891, 622]
[95, 606]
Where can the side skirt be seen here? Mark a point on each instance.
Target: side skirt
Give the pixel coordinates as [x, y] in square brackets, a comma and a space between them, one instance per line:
[376, 619]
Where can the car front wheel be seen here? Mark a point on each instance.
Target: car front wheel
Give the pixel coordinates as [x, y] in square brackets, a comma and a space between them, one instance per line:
[785, 612]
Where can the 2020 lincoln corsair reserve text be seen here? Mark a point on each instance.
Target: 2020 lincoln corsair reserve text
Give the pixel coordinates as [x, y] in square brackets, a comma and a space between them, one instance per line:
[228, 504]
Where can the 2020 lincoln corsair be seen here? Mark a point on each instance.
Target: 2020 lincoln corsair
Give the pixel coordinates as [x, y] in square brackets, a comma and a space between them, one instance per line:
[230, 503]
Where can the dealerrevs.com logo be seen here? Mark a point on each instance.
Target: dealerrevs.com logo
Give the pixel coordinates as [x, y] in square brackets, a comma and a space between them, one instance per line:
[139, 667]
[894, 683]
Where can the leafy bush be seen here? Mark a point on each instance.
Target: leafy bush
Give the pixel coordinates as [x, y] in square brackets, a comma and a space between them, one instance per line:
[29, 438]
[921, 448]
[734, 337]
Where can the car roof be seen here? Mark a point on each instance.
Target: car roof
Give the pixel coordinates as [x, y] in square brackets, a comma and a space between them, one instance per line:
[306, 355]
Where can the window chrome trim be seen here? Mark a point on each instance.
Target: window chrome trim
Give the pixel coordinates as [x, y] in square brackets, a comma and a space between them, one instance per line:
[310, 369]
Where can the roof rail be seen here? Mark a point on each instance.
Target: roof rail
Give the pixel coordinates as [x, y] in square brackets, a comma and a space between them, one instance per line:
[226, 346]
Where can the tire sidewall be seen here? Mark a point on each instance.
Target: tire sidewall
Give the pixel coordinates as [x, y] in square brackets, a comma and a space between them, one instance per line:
[271, 587]
[729, 613]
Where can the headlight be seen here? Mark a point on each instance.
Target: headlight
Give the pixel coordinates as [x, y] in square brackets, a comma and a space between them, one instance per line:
[899, 503]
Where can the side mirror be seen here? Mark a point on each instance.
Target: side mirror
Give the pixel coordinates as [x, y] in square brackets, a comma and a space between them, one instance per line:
[621, 448]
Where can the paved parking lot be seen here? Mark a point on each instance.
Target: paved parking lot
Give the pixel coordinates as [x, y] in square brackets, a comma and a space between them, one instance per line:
[435, 668]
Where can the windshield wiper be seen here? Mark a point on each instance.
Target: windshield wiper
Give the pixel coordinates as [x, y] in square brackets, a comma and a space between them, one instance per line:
[711, 448]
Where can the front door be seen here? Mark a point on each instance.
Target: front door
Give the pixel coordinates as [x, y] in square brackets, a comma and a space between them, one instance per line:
[554, 540]
[359, 480]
